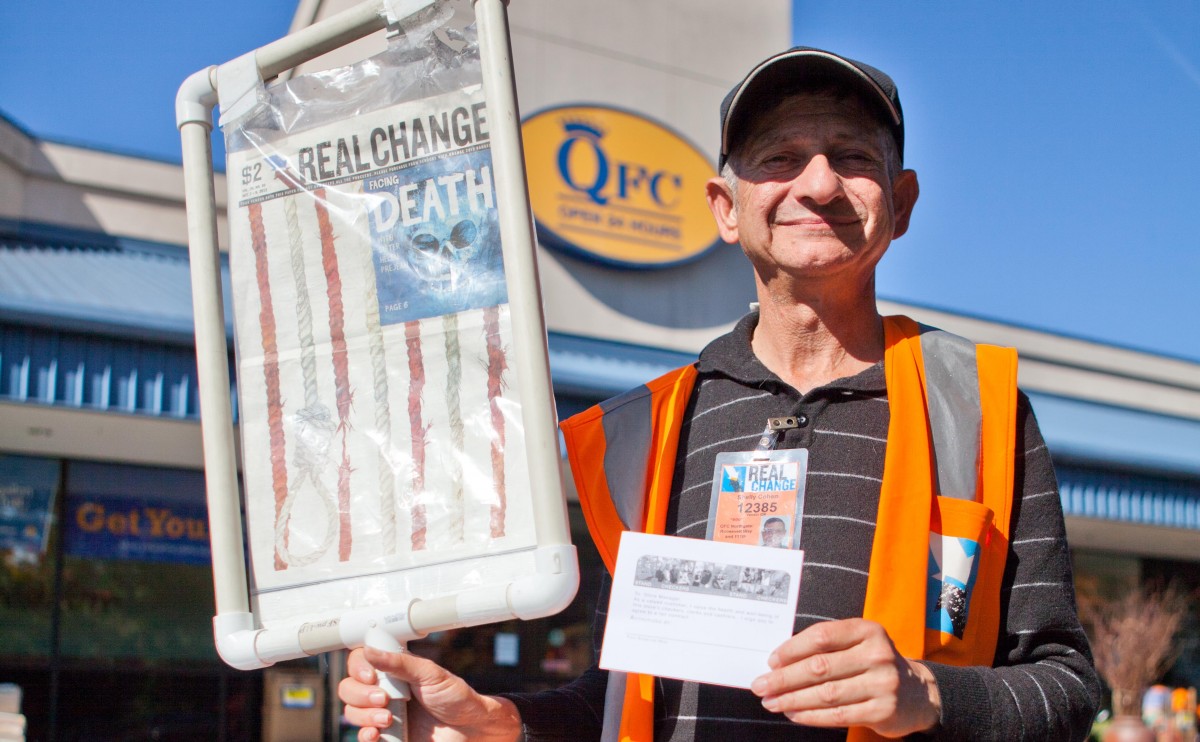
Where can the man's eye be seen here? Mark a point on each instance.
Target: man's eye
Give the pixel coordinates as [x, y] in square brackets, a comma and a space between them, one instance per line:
[859, 157]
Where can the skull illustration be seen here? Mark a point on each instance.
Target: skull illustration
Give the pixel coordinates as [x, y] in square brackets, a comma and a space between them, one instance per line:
[444, 265]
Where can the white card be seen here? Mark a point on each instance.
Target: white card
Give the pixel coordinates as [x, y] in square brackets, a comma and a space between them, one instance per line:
[697, 610]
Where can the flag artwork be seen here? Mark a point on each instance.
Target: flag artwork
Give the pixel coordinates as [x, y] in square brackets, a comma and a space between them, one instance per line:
[380, 423]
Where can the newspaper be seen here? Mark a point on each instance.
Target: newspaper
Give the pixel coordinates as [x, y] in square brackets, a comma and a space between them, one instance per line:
[380, 424]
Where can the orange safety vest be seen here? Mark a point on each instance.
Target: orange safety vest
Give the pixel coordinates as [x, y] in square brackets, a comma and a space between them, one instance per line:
[943, 520]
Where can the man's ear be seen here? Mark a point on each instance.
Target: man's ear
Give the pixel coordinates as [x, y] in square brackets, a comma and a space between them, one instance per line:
[723, 208]
[905, 190]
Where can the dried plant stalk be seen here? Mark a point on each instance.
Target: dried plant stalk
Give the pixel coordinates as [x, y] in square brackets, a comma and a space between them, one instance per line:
[1133, 639]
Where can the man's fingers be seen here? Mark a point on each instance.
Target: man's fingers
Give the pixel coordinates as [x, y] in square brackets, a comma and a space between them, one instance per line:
[812, 671]
[392, 663]
[378, 718]
[821, 638]
[354, 692]
[848, 673]
[441, 699]
[824, 695]
[867, 713]
[357, 667]
[408, 667]
[366, 702]
[832, 650]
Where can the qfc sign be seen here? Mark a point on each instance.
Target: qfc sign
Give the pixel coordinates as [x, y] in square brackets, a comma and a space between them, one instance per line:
[617, 188]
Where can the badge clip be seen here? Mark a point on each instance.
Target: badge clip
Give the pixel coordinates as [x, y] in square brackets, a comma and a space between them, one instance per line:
[770, 435]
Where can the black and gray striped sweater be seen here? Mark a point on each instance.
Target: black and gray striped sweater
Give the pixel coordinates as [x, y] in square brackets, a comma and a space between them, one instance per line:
[1043, 686]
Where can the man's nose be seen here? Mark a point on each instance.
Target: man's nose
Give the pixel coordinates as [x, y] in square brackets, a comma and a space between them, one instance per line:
[817, 181]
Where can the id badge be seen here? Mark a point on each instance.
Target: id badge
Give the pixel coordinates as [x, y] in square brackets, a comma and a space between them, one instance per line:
[758, 498]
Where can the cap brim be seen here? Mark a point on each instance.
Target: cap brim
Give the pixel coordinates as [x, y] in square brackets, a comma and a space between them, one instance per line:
[790, 69]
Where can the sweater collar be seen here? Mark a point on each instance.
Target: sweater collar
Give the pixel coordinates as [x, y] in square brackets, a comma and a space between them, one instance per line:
[732, 356]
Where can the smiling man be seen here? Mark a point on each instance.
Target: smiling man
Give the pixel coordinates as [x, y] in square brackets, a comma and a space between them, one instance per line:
[774, 531]
[936, 594]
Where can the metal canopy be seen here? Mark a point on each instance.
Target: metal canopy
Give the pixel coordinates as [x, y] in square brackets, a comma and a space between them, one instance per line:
[92, 282]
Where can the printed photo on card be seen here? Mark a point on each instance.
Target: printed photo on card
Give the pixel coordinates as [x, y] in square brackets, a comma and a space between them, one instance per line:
[697, 610]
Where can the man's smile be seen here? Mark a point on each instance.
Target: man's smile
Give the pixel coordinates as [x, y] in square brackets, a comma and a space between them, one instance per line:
[810, 219]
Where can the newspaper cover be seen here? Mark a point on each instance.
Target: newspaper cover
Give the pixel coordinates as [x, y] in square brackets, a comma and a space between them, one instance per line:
[381, 428]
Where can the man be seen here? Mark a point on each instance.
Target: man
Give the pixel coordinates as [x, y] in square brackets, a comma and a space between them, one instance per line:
[918, 483]
[774, 531]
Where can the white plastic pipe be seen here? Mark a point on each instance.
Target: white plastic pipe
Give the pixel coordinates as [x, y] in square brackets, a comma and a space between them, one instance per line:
[233, 625]
[239, 642]
[212, 361]
[520, 267]
[313, 41]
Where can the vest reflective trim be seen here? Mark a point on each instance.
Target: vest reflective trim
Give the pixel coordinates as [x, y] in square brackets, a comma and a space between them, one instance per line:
[628, 426]
[952, 399]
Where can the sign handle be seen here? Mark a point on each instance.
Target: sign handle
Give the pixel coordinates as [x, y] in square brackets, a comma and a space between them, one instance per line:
[396, 689]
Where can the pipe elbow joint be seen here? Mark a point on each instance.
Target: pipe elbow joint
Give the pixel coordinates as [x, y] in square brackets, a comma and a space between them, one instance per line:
[236, 640]
[551, 588]
[196, 98]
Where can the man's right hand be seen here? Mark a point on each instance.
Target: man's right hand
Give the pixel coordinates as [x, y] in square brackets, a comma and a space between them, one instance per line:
[444, 708]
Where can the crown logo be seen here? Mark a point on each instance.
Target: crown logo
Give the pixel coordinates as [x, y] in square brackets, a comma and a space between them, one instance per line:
[581, 126]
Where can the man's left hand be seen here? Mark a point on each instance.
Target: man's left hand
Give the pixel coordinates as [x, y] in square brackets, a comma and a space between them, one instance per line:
[848, 673]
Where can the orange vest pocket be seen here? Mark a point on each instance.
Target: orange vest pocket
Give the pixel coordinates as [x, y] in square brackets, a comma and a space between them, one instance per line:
[960, 540]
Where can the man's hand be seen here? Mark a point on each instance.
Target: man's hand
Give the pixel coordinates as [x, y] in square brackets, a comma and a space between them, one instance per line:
[444, 708]
[848, 673]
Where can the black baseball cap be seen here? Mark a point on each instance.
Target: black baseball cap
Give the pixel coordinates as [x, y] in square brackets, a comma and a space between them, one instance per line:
[783, 73]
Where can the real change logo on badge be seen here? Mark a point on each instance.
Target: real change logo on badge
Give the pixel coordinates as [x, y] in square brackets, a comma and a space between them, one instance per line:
[617, 188]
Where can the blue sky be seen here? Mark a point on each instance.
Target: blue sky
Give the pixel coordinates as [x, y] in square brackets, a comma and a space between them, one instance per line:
[1058, 145]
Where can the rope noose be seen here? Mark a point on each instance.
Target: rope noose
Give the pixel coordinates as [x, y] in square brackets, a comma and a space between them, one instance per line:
[314, 427]
[383, 413]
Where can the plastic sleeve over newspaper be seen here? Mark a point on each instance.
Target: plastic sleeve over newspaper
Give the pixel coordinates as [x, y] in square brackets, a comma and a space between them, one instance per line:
[381, 430]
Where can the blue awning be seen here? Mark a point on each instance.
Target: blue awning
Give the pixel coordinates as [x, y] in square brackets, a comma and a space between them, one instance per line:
[1130, 498]
[94, 321]
[89, 282]
[97, 372]
[1097, 432]
[600, 369]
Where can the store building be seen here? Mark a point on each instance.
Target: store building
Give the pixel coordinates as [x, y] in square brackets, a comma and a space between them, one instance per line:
[105, 584]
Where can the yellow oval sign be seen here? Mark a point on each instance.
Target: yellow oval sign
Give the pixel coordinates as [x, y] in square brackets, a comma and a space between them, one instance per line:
[616, 187]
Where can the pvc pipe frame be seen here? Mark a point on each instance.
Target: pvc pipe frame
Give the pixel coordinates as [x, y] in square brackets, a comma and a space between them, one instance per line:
[553, 585]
